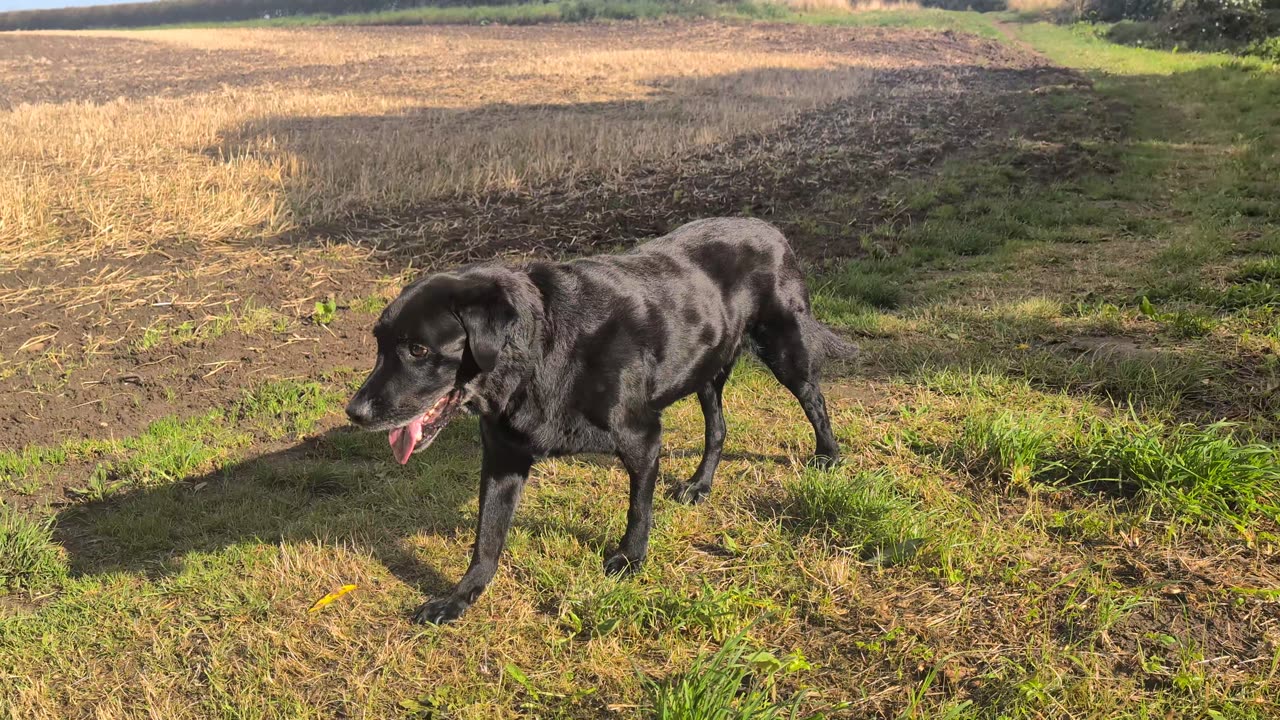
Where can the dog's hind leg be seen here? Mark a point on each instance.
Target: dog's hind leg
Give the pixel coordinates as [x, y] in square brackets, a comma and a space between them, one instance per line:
[710, 398]
[783, 349]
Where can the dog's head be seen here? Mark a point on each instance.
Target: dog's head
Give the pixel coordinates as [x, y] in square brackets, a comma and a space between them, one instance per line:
[438, 336]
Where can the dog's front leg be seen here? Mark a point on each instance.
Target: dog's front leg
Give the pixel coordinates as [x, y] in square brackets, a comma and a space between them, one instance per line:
[638, 445]
[503, 471]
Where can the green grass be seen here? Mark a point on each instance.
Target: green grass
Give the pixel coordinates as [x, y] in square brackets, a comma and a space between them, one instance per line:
[29, 559]
[730, 684]
[1196, 474]
[866, 512]
[1203, 474]
[924, 19]
[613, 10]
[172, 449]
[249, 320]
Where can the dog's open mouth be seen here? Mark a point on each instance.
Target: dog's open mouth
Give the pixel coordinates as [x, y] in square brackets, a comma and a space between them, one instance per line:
[419, 432]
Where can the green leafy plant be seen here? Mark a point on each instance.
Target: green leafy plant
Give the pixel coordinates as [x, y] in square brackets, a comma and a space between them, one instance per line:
[325, 312]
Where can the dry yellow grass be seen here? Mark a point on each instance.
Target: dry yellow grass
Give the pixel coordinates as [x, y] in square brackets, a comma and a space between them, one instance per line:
[850, 5]
[1037, 6]
[332, 123]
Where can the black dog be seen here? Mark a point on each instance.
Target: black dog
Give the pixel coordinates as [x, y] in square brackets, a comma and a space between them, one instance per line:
[583, 356]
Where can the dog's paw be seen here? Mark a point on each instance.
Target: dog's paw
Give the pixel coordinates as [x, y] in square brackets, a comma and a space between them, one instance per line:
[692, 493]
[620, 565]
[440, 610]
[825, 461]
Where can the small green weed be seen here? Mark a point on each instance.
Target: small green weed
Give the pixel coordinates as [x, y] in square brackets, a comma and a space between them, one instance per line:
[731, 684]
[325, 311]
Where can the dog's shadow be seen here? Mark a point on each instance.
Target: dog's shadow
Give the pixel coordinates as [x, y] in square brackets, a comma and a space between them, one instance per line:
[339, 487]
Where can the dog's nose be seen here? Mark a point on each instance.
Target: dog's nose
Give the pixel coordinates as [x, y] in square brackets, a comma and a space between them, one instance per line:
[359, 410]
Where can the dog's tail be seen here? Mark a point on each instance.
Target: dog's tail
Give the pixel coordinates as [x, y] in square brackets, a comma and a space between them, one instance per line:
[823, 343]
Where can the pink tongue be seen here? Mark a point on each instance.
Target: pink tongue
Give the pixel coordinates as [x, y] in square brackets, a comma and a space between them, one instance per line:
[404, 438]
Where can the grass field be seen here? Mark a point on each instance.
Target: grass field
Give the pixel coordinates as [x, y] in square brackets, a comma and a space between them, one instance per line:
[1061, 491]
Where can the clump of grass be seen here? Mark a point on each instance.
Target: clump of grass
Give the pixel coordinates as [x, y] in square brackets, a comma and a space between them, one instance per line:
[1006, 447]
[1258, 270]
[866, 511]
[1201, 474]
[868, 282]
[730, 684]
[288, 408]
[1206, 474]
[712, 612]
[1187, 324]
[170, 450]
[249, 320]
[1253, 294]
[1153, 380]
[28, 556]
[370, 304]
[852, 315]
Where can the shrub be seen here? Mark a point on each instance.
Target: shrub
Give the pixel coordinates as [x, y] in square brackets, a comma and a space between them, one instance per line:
[1195, 24]
[1268, 49]
[1117, 10]
[1214, 23]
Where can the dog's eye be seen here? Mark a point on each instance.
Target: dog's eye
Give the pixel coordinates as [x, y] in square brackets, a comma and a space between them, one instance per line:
[418, 350]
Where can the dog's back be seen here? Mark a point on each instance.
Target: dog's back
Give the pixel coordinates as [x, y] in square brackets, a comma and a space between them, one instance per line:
[674, 312]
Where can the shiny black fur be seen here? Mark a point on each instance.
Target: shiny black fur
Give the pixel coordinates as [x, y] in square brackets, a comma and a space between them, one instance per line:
[583, 356]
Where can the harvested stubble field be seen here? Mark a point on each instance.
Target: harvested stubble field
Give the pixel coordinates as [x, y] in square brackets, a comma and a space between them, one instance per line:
[1060, 257]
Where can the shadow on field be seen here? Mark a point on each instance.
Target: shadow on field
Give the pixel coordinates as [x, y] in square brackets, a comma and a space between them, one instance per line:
[338, 487]
[335, 488]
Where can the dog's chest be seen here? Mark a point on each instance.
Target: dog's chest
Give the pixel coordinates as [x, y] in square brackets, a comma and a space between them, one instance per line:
[561, 433]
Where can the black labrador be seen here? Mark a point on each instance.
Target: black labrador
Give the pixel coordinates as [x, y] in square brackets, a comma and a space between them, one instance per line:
[583, 356]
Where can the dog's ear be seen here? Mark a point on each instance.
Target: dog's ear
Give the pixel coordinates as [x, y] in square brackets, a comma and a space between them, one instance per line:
[486, 315]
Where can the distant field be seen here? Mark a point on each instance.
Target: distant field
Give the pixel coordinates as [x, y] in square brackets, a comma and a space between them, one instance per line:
[1060, 257]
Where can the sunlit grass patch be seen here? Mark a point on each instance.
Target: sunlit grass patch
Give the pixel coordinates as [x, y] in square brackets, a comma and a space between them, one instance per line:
[733, 683]
[28, 556]
[172, 449]
[1200, 474]
[1205, 474]
[1008, 448]
[628, 609]
[866, 512]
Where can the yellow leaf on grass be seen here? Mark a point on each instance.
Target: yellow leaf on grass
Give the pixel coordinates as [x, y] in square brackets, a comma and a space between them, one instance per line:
[331, 597]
